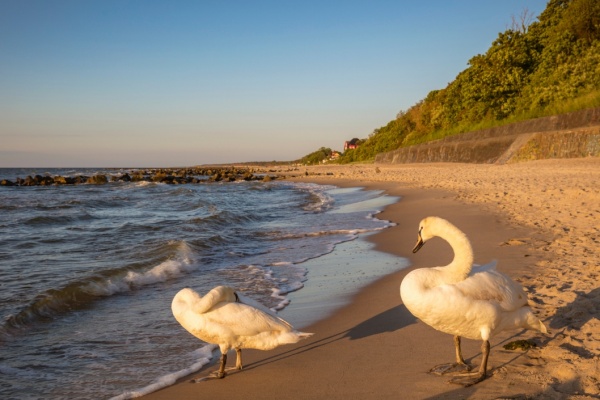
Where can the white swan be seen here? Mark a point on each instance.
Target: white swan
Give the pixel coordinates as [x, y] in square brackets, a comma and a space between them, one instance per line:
[231, 321]
[474, 303]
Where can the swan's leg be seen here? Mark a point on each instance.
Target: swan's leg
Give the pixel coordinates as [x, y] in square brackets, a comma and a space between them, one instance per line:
[459, 358]
[459, 366]
[470, 379]
[221, 373]
[238, 362]
[485, 350]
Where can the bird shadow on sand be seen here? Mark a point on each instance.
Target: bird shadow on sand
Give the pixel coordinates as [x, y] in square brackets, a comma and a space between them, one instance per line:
[574, 316]
[577, 313]
[387, 321]
[548, 393]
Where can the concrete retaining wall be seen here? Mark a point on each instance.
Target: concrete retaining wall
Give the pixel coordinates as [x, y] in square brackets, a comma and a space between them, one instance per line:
[569, 135]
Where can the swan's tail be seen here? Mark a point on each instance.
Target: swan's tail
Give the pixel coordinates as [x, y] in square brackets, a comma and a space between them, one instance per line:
[532, 322]
[293, 337]
[542, 327]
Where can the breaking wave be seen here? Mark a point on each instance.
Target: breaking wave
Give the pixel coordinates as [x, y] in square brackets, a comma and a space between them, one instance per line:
[80, 294]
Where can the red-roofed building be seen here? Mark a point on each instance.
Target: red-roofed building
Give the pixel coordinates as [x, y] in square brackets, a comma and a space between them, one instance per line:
[352, 144]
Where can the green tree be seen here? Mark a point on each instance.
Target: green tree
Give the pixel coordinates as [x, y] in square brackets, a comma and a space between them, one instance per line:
[316, 157]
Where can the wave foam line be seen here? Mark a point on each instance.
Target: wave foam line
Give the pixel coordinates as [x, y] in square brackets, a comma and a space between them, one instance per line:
[284, 286]
[350, 233]
[319, 200]
[205, 355]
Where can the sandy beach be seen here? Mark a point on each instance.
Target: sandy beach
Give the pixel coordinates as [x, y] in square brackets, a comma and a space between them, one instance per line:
[538, 219]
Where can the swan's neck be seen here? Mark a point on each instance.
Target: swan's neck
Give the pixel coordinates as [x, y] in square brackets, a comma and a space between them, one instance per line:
[461, 265]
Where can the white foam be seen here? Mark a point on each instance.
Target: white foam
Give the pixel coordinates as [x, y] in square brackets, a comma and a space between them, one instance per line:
[298, 276]
[143, 183]
[281, 263]
[204, 355]
[324, 200]
[162, 272]
[387, 223]
[106, 288]
[280, 295]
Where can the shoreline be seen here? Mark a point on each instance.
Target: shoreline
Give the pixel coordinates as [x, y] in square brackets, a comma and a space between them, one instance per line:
[373, 348]
[334, 279]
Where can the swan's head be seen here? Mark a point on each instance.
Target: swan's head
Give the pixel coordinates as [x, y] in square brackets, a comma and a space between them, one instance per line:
[429, 227]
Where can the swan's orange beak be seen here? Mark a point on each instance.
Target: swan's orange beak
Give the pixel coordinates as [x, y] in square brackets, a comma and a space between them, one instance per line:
[419, 244]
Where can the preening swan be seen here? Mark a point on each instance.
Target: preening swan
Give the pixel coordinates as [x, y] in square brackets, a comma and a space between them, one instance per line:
[476, 303]
[232, 321]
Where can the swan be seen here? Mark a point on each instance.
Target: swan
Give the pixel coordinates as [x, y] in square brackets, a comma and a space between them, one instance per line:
[475, 303]
[231, 321]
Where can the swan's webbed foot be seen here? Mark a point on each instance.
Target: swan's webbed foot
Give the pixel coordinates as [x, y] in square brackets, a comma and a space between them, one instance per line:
[222, 371]
[460, 366]
[468, 379]
[212, 375]
[450, 368]
[218, 374]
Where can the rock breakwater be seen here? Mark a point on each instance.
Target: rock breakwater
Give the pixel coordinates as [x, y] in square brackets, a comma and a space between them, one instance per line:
[174, 176]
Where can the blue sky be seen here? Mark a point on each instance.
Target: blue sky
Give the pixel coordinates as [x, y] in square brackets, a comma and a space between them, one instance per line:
[130, 83]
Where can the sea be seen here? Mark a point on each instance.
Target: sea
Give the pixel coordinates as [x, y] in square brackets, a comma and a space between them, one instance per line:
[88, 271]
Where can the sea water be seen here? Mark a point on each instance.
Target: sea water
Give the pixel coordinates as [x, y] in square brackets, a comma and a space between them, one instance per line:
[88, 272]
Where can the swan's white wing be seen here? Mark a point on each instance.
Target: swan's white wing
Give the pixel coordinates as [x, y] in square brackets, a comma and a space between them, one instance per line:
[487, 284]
[253, 303]
[486, 267]
[242, 320]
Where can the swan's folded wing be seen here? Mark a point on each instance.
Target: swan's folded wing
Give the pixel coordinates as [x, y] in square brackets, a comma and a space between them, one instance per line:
[492, 286]
[244, 320]
[253, 303]
[485, 267]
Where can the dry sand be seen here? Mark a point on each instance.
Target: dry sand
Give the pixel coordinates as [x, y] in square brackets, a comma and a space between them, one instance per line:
[538, 219]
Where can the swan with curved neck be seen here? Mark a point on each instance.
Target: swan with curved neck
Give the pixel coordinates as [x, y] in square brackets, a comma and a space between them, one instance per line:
[476, 303]
[232, 321]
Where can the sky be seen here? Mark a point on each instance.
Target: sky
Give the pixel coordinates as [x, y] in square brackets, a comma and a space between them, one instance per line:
[143, 83]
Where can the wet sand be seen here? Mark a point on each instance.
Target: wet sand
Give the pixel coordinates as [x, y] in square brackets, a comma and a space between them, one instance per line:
[538, 219]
